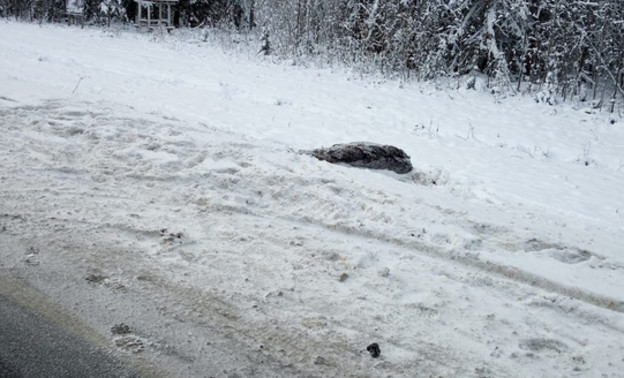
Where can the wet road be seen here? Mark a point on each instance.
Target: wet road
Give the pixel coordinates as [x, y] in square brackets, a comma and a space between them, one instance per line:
[31, 346]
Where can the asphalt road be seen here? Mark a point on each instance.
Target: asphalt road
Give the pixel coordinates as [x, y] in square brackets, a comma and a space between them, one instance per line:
[31, 346]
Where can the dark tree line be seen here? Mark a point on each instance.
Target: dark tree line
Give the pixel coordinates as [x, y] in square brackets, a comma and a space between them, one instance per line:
[41, 10]
[193, 13]
[560, 48]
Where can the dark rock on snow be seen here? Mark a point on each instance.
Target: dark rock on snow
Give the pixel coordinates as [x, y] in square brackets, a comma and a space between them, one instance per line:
[366, 155]
[374, 350]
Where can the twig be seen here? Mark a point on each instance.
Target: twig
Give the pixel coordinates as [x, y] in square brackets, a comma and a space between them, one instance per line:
[77, 84]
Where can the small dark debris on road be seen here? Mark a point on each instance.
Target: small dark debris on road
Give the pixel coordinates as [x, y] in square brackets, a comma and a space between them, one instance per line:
[374, 350]
[120, 329]
[95, 278]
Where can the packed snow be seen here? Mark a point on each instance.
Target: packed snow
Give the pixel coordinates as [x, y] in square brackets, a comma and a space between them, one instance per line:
[156, 181]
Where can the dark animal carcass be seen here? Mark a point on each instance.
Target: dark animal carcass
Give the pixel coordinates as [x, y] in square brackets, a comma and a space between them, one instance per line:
[366, 155]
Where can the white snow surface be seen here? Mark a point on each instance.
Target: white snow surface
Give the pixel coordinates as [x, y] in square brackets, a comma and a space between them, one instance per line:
[156, 180]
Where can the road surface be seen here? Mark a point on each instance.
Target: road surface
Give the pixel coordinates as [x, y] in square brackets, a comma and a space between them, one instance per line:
[33, 346]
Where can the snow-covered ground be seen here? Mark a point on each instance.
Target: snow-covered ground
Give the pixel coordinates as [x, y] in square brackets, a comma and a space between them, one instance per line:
[156, 181]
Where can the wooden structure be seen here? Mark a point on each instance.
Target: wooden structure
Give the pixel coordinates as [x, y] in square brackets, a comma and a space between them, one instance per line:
[153, 13]
[74, 12]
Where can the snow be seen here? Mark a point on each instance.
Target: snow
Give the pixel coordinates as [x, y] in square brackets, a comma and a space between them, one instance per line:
[156, 181]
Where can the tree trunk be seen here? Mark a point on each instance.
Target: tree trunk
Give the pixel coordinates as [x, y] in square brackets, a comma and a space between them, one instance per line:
[252, 16]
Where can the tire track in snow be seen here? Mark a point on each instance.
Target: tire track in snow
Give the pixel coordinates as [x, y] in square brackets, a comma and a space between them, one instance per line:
[431, 250]
[484, 266]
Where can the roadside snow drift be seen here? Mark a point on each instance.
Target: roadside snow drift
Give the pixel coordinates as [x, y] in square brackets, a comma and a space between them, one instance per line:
[155, 182]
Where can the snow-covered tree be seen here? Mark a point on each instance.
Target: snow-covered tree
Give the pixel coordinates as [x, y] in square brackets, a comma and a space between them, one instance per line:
[111, 9]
